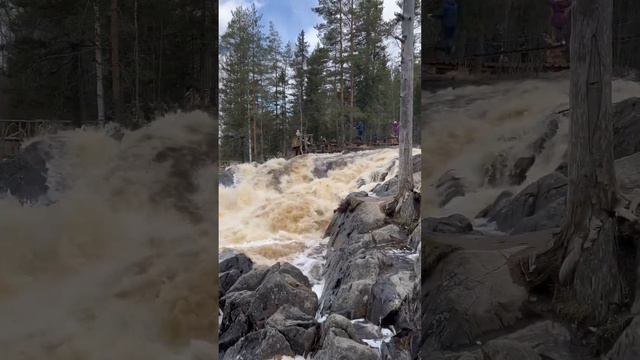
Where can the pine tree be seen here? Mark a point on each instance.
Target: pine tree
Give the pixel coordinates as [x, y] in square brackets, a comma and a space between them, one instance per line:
[299, 76]
[316, 94]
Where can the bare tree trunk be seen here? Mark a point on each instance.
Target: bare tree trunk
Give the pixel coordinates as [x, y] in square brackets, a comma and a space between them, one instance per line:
[207, 55]
[405, 173]
[341, 61]
[301, 124]
[351, 35]
[159, 88]
[137, 59]
[99, 79]
[590, 259]
[585, 254]
[406, 209]
[115, 61]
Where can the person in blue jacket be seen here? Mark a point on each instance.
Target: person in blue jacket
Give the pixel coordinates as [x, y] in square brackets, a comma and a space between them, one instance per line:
[360, 130]
[449, 22]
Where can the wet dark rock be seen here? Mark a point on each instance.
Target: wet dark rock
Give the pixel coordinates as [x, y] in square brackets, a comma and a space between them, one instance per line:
[390, 186]
[396, 279]
[415, 238]
[627, 347]
[531, 201]
[456, 224]
[258, 295]
[369, 273]
[628, 173]
[416, 162]
[231, 268]
[389, 235]
[542, 204]
[25, 175]
[467, 293]
[263, 344]
[397, 348]
[519, 171]
[626, 127]
[357, 213]
[387, 188]
[549, 217]
[366, 329]
[491, 210]
[550, 131]
[339, 340]
[449, 186]
[507, 350]
[323, 166]
[298, 328]
[505, 170]
[225, 177]
[239, 262]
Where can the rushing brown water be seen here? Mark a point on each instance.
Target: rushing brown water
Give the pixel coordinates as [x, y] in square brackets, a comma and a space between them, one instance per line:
[468, 127]
[121, 265]
[277, 210]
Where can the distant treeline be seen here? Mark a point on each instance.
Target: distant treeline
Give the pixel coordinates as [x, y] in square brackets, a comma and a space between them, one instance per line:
[268, 90]
[492, 26]
[148, 56]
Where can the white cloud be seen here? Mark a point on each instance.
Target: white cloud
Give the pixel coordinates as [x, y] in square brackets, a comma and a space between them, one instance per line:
[311, 35]
[389, 8]
[225, 8]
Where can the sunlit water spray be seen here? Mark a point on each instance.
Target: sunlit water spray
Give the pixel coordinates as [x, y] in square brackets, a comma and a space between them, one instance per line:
[467, 129]
[118, 264]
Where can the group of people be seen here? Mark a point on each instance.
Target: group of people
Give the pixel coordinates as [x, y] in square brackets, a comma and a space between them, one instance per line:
[300, 142]
[448, 16]
[395, 130]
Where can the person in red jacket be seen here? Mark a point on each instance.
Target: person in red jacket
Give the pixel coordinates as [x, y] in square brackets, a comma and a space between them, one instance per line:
[561, 20]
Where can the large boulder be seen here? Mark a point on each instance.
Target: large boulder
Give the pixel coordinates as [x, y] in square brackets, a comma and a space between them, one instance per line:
[352, 268]
[396, 279]
[491, 210]
[321, 166]
[263, 344]
[452, 224]
[627, 347]
[370, 269]
[508, 350]
[230, 270]
[339, 340]
[542, 204]
[465, 294]
[628, 173]
[259, 294]
[626, 127]
[25, 175]
[448, 187]
[387, 188]
[531, 201]
[226, 177]
[297, 327]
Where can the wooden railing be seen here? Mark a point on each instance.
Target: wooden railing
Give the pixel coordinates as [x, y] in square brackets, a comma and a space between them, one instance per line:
[13, 132]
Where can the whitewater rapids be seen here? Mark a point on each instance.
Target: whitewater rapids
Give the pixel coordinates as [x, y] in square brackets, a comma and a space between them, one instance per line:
[118, 263]
[467, 128]
[279, 210]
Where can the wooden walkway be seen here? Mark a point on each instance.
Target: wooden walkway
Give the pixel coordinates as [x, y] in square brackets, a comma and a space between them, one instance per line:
[14, 132]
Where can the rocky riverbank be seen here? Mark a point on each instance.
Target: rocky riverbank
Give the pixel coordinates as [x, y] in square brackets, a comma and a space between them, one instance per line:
[475, 302]
[367, 309]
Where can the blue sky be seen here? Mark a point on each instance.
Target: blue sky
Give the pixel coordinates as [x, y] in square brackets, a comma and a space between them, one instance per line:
[290, 16]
